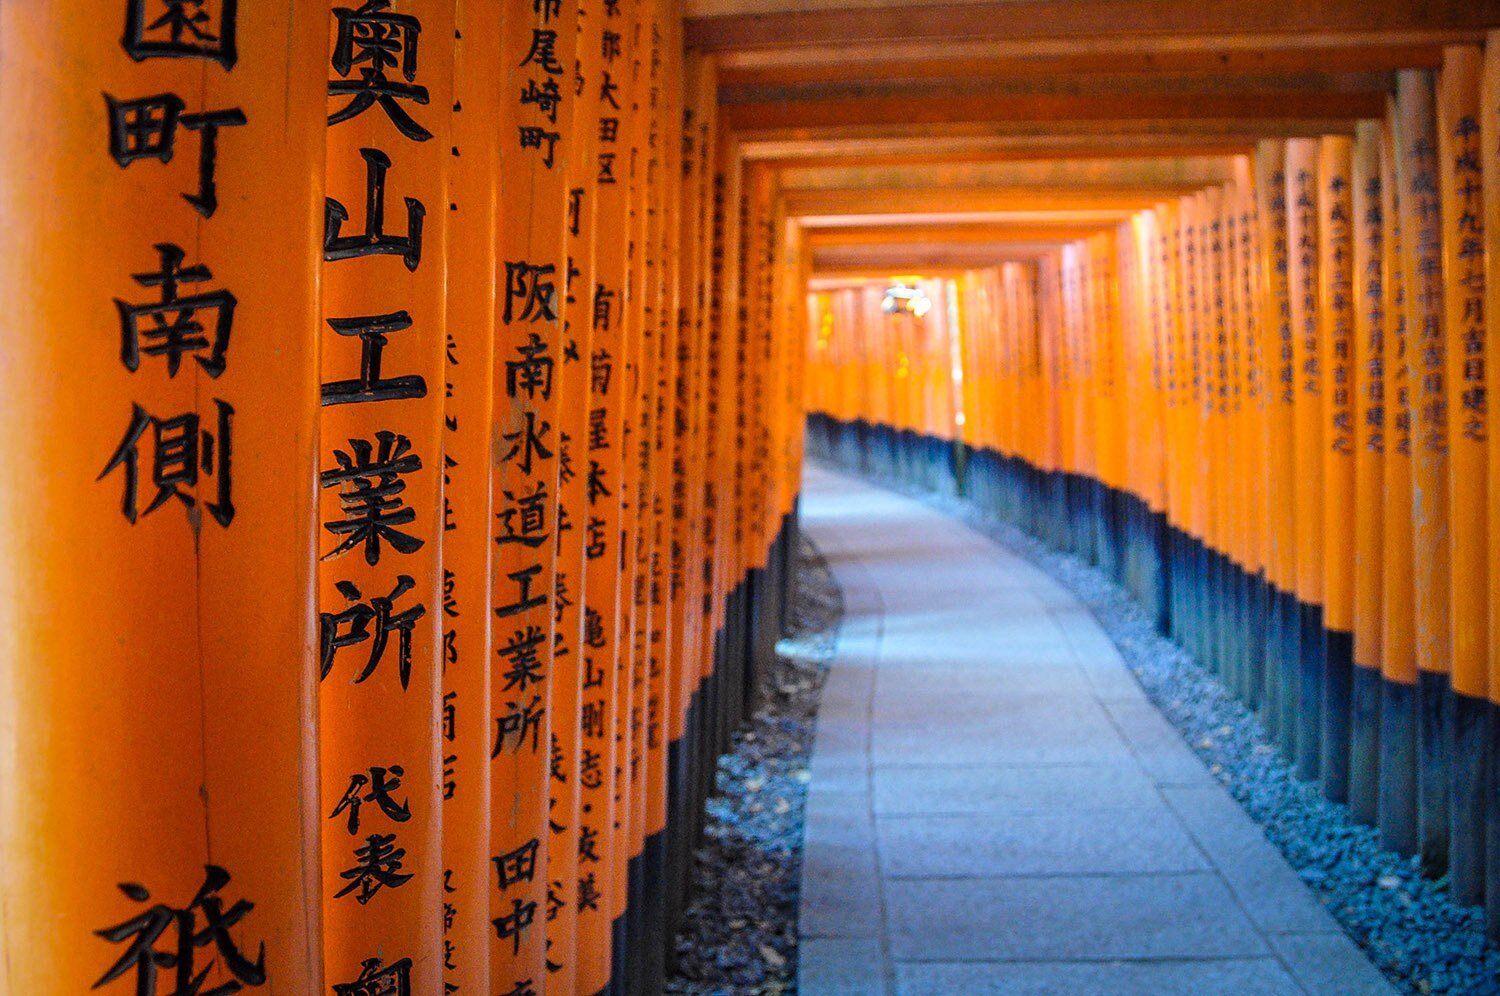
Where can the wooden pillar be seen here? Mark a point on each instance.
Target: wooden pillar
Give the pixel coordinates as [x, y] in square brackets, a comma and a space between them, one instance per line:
[1336, 333]
[1302, 237]
[1460, 183]
[537, 53]
[1489, 155]
[174, 769]
[381, 596]
[1421, 248]
[573, 931]
[1371, 431]
[469, 734]
[1398, 665]
[603, 705]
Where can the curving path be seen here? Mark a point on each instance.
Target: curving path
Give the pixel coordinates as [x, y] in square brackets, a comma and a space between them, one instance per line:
[995, 807]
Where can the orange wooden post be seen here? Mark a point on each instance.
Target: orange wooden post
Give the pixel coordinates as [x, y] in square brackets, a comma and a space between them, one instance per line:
[1173, 404]
[173, 477]
[468, 733]
[1460, 181]
[573, 932]
[1303, 197]
[1398, 664]
[1371, 428]
[1258, 403]
[1421, 246]
[537, 47]
[636, 371]
[381, 595]
[1489, 157]
[1336, 332]
[605, 702]
[1200, 344]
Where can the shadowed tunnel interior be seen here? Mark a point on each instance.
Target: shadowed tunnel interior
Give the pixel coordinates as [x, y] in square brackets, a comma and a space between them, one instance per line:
[404, 414]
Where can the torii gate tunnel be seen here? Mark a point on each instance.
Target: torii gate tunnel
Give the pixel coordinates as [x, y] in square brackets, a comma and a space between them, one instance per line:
[403, 414]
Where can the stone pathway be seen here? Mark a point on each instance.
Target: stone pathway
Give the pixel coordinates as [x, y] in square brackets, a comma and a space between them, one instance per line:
[996, 807]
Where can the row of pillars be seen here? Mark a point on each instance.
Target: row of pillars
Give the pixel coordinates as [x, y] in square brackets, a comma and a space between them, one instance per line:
[1262, 407]
[398, 481]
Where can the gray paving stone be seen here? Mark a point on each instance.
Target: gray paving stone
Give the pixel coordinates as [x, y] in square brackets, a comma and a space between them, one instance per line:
[1159, 749]
[1010, 788]
[1229, 977]
[1329, 964]
[983, 680]
[840, 967]
[1001, 730]
[1067, 918]
[1147, 838]
[1260, 878]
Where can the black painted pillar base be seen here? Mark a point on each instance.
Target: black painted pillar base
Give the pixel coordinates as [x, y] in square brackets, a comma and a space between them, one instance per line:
[1434, 739]
[1470, 762]
[1364, 745]
[1398, 767]
[1338, 690]
[1310, 698]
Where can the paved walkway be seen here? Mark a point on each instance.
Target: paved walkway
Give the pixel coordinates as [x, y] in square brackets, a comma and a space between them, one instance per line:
[996, 807]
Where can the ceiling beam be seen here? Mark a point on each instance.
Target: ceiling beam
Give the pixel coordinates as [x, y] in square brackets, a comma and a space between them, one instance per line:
[951, 234]
[1096, 216]
[1119, 20]
[1110, 84]
[818, 114]
[989, 58]
[1107, 172]
[1044, 135]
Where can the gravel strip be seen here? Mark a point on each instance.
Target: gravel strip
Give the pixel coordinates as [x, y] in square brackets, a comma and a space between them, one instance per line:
[739, 933]
[1411, 930]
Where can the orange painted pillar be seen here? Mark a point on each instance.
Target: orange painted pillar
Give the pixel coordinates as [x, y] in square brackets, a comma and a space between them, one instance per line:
[1460, 184]
[1489, 157]
[604, 702]
[571, 625]
[1302, 237]
[1336, 333]
[1421, 247]
[468, 732]
[381, 600]
[537, 46]
[1371, 429]
[177, 783]
[1398, 665]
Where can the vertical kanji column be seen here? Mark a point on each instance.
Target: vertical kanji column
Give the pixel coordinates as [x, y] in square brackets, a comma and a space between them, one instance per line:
[469, 735]
[578, 627]
[382, 599]
[1336, 332]
[1371, 430]
[1398, 664]
[538, 42]
[602, 692]
[1302, 257]
[159, 429]
[1461, 183]
[1489, 157]
[1422, 270]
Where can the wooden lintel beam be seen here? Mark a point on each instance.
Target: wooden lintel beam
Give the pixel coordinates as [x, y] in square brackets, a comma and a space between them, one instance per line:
[1100, 216]
[922, 259]
[1043, 136]
[1074, 173]
[999, 57]
[939, 234]
[1048, 19]
[1177, 86]
[818, 114]
[977, 200]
